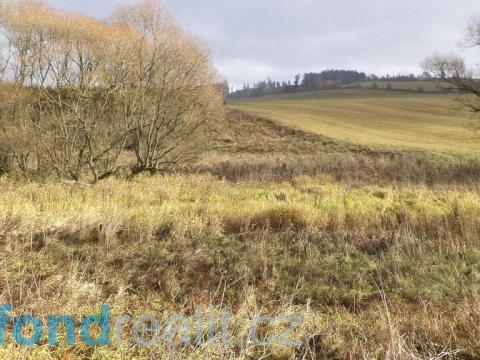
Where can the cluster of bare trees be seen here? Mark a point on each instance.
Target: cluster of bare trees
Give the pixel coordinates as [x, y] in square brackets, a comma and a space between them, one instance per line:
[454, 70]
[88, 97]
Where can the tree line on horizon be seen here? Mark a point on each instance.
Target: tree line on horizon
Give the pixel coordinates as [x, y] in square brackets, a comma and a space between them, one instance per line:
[327, 79]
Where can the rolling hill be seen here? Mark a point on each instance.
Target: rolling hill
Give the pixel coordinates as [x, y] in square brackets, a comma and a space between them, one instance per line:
[434, 122]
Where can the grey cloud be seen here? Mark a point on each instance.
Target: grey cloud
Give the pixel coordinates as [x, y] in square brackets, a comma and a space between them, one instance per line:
[251, 39]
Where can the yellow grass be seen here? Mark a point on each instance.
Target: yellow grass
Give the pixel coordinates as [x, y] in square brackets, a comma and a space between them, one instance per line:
[434, 122]
[364, 267]
[182, 201]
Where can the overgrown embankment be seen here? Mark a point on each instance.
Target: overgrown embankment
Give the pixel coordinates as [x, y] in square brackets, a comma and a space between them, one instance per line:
[248, 147]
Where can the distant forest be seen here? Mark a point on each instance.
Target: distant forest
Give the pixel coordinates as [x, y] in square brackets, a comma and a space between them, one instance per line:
[328, 79]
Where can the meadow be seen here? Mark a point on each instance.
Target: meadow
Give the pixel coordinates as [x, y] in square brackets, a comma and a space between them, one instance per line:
[374, 272]
[404, 120]
[375, 249]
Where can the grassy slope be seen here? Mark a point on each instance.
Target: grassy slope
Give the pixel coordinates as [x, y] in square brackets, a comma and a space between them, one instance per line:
[432, 122]
[407, 85]
[248, 147]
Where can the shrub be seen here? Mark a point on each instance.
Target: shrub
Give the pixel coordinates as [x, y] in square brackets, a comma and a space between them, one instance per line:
[86, 89]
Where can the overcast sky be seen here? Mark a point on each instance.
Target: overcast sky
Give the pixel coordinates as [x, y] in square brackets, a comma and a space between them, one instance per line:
[251, 39]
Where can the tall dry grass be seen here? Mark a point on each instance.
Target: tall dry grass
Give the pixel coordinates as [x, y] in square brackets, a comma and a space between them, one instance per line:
[375, 272]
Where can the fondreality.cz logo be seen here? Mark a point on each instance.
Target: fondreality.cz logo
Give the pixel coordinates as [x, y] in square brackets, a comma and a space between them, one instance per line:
[177, 330]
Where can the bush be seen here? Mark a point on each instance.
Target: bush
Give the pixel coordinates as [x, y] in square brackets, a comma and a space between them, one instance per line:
[84, 89]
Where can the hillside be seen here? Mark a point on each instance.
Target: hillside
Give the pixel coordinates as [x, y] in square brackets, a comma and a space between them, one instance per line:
[434, 122]
[418, 85]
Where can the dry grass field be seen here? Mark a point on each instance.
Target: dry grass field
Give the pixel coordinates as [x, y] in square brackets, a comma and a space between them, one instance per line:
[375, 249]
[373, 271]
[433, 122]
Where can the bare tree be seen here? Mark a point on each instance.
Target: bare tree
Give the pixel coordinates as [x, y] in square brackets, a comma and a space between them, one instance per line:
[5, 48]
[472, 37]
[87, 91]
[173, 84]
[67, 109]
[454, 70]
